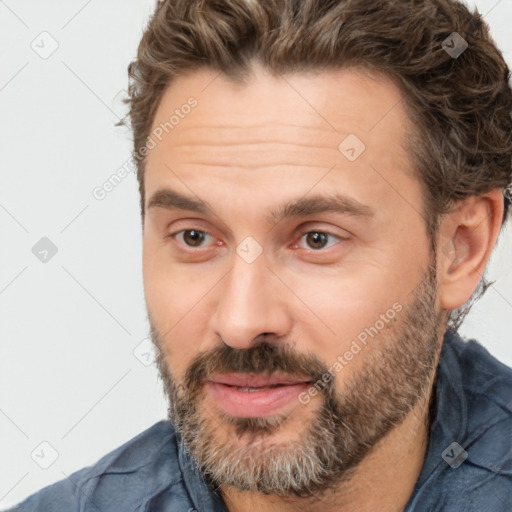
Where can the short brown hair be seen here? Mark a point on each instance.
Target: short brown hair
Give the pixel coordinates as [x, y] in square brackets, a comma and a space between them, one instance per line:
[461, 106]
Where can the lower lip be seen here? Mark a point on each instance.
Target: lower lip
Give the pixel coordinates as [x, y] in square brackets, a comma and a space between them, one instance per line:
[254, 404]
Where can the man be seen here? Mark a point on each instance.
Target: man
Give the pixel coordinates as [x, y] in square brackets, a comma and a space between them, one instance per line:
[322, 185]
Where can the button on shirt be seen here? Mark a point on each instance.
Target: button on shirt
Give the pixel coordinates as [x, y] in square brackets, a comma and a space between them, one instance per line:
[467, 468]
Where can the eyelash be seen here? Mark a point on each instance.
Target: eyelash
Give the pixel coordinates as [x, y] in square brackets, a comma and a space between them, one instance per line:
[174, 235]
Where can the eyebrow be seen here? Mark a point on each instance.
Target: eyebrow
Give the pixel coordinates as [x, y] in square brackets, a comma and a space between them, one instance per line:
[302, 207]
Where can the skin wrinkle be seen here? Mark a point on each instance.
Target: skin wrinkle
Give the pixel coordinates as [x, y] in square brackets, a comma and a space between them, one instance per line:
[328, 153]
[205, 313]
[287, 164]
[244, 159]
[225, 145]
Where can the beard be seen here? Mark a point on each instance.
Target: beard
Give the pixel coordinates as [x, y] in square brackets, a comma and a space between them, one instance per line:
[395, 376]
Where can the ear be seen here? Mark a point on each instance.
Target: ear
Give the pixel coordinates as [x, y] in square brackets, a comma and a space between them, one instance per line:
[466, 238]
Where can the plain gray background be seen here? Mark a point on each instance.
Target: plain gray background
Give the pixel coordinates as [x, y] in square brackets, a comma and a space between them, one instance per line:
[75, 373]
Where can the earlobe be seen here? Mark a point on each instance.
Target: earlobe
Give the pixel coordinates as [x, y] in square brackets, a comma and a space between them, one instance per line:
[467, 237]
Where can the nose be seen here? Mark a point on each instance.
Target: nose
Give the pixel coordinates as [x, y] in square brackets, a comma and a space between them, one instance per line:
[252, 302]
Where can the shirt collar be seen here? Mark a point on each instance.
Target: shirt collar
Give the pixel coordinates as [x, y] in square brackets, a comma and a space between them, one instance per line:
[202, 496]
[450, 415]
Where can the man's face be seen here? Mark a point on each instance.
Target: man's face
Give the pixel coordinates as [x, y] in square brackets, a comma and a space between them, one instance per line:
[292, 334]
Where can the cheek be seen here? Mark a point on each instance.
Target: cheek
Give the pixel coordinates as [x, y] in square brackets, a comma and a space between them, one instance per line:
[167, 290]
[347, 299]
[361, 307]
[177, 303]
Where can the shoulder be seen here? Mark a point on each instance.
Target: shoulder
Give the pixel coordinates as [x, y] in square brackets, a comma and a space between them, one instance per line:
[468, 466]
[478, 366]
[486, 383]
[484, 480]
[124, 479]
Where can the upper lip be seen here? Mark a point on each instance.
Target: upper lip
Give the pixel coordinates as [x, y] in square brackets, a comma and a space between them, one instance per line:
[245, 380]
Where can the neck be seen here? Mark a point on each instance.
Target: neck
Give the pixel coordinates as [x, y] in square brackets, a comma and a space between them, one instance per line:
[383, 481]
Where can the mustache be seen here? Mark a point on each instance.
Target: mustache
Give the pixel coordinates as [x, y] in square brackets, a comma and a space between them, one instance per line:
[264, 358]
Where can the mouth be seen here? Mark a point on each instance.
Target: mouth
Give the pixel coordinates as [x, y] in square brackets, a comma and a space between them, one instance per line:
[253, 396]
[244, 380]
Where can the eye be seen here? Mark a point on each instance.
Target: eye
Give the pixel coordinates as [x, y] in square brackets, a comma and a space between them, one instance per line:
[191, 237]
[318, 239]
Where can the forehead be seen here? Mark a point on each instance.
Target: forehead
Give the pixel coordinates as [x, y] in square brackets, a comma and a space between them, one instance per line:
[279, 130]
[354, 90]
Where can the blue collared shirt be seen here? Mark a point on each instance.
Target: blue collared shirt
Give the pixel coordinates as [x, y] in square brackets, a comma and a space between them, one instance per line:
[467, 468]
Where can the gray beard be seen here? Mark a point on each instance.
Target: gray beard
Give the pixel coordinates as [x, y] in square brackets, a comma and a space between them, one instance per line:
[397, 373]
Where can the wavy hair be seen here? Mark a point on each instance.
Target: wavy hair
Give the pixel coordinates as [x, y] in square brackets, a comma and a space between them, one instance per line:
[460, 107]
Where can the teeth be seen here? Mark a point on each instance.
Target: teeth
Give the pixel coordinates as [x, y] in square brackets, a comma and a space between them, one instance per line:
[251, 390]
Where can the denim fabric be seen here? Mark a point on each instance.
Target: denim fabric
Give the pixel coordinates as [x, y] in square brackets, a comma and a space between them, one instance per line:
[473, 408]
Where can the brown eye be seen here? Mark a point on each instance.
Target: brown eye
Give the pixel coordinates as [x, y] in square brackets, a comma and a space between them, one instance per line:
[192, 237]
[316, 240]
